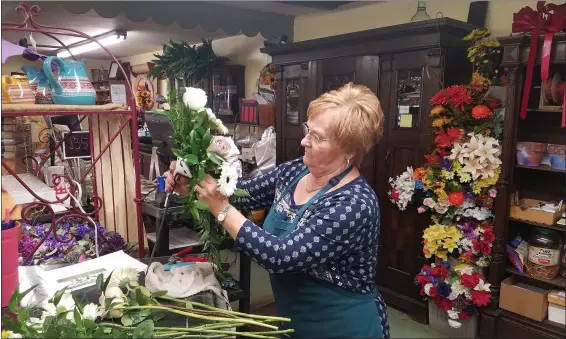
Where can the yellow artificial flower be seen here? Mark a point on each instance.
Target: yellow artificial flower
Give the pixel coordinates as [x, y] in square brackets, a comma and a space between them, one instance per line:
[464, 177]
[460, 267]
[454, 233]
[436, 110]
[441, 255]
[450, 245]
[479, 185]
[447, 120]
[441, 193]
[438, 123]
[447, 175]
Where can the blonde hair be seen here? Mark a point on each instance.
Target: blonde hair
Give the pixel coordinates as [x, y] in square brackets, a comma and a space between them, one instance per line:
[360, 125]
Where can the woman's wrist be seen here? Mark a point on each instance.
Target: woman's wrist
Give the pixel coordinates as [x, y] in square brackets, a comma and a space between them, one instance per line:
[216, 208]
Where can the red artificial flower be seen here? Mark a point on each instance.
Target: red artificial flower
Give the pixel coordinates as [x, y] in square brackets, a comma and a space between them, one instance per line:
[481, 112]
[481, 298]
[468, 255]
[423, 279]
[432, 292]
[445, 304]
[458, 95]
[443, 139]
[469, 280]
[444, 152]
[463, 316]
[455, 133]
[478, 276]
[422, 291]
[395, 194]
[426, 267]
[440, 98]
[488, 236]
[456, 198]
[487, 201]
[435, 271]
[481, 246]
[432, 159]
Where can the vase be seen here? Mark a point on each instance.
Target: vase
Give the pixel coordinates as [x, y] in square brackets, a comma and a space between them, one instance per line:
[182, 168]
[498, 92]
[72, 86]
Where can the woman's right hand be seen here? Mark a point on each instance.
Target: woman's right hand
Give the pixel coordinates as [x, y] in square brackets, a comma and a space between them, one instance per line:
[181, 186]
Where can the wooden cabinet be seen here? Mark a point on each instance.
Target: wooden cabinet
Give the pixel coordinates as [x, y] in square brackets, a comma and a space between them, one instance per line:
[404, 65]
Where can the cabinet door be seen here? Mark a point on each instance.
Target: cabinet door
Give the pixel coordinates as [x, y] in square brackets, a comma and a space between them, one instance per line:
[293, 97]
[363, 70]
[408, 87]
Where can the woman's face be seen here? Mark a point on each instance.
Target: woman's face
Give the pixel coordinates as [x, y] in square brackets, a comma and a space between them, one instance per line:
[322, 152]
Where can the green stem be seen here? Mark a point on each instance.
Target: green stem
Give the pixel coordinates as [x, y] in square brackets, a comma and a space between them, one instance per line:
[219, 310]
[192, 315]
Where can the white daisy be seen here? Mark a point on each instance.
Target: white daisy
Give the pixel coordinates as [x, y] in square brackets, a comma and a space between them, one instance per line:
[228, 179]
[124, 278]
[91, 312]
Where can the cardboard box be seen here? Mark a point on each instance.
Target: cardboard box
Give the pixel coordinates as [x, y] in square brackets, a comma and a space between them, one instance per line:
[536, 216]
[557, 314]
[526, 300]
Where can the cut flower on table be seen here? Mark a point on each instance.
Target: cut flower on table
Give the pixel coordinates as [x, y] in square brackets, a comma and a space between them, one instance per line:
[126, 312]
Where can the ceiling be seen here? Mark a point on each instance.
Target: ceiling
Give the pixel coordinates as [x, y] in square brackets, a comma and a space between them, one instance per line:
[144, 36]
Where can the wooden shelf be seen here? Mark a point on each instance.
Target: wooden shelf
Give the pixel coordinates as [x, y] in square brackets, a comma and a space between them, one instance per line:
[540, 324]
[547, 110]
[557, 282]
[556, 227]
[541, 168]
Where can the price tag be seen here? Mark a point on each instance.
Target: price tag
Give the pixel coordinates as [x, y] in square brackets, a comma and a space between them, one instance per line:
[77, 145]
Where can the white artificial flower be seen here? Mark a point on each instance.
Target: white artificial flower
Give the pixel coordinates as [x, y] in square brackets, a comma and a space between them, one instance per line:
[124, 277]
[452, 314]
[483, 261]
[482, 286]
[11, 335]
[457, 290]
[211, 115]
[442, 206]
[194, 98]
[404, 185]
[454, 323]
[228, 179]
[117, 296]
[91, 312]
[427, 288]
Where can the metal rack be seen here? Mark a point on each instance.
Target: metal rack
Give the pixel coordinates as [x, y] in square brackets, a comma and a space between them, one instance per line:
[129, 118]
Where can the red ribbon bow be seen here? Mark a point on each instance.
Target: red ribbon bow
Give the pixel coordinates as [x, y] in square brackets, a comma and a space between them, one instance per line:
[550, 19]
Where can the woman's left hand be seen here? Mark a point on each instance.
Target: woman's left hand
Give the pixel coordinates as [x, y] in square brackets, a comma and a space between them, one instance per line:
[207, 191]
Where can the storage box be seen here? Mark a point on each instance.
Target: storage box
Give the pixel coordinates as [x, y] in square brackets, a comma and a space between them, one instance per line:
[526, 300]
[266, 114]
[557, 314]
[536, 216]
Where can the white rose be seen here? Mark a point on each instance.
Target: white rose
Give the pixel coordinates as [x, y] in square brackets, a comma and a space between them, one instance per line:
[117, 296]
[194, 98]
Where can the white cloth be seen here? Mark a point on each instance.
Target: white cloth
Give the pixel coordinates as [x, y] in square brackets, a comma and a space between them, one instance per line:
[186, 281]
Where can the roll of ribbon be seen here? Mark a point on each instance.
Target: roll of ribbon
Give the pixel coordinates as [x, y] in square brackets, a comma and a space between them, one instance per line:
[9, 263]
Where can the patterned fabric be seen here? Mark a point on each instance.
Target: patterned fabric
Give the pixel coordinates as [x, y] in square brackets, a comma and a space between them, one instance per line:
[336, 240]
[337, 237]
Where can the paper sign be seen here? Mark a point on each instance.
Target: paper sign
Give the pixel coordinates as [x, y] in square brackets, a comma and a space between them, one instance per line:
[406, 121]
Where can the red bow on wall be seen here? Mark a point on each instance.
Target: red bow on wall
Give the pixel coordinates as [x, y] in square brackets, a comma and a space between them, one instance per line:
[548, 19]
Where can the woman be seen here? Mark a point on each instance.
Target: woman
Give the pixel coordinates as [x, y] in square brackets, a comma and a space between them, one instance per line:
[319, 240]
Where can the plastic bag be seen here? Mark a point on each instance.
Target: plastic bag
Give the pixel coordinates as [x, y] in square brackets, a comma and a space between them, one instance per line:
[264, 152]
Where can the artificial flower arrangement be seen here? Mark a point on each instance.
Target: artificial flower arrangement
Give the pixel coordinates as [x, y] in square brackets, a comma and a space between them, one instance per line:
[77, 243]
[457, 183]
[127, 310]
[458, 290]
[202, 149]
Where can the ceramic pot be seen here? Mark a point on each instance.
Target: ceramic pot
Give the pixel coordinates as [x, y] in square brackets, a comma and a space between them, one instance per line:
[72, 86]
[530, 153]
[17, 90]
[557, 156]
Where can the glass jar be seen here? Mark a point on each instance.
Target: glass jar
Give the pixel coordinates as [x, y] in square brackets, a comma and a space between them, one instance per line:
[544, 254]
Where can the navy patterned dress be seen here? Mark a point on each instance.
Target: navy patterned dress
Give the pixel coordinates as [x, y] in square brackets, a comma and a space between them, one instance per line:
[336, 240]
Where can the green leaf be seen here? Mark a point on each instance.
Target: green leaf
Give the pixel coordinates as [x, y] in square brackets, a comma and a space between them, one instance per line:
[57, 297]
[178, 153]
[206, 139]
[107, 281]
[14, 301]
[195, 213]
[241, 193]
[126, 320]
[201, 205]
[201, 174]
[77, 316]
[191, 159]
[100, 282]
[144, 330]
[215, 158]
[159, 294]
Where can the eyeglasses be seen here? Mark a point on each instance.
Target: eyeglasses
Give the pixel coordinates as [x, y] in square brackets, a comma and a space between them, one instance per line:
[317, 139]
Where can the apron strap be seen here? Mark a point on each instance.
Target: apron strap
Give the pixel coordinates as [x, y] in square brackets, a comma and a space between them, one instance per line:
[331, 183]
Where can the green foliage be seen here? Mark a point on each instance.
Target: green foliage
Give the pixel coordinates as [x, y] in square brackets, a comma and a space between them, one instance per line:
[182, 61]
[485, 54]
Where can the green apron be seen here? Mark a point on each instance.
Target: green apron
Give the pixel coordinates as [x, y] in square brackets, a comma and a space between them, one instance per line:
[318, 309]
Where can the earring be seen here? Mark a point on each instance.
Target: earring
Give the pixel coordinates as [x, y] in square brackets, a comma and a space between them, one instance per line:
[347, 162]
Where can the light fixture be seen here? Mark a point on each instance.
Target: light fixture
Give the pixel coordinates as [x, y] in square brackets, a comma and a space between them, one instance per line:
[106, 39]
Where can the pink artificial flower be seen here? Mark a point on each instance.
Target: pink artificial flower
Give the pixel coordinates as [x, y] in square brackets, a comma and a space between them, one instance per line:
[421, 210]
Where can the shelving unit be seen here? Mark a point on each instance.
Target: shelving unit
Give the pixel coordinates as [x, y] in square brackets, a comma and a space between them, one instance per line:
[541, 125]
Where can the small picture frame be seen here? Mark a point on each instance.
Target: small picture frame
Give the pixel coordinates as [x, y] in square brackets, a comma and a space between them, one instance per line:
[115, 73]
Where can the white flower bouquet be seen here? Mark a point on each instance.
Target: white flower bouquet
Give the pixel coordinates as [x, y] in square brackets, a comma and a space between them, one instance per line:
[127, 310]
[202, 149]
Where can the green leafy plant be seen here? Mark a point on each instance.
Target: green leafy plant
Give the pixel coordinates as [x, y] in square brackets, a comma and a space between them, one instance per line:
[127, 310]
[182, 61]
[195, 132]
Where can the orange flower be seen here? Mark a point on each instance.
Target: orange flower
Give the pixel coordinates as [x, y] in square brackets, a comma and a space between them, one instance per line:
[419, 173]
[481, 112]
[438, 123]
[436, 110]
